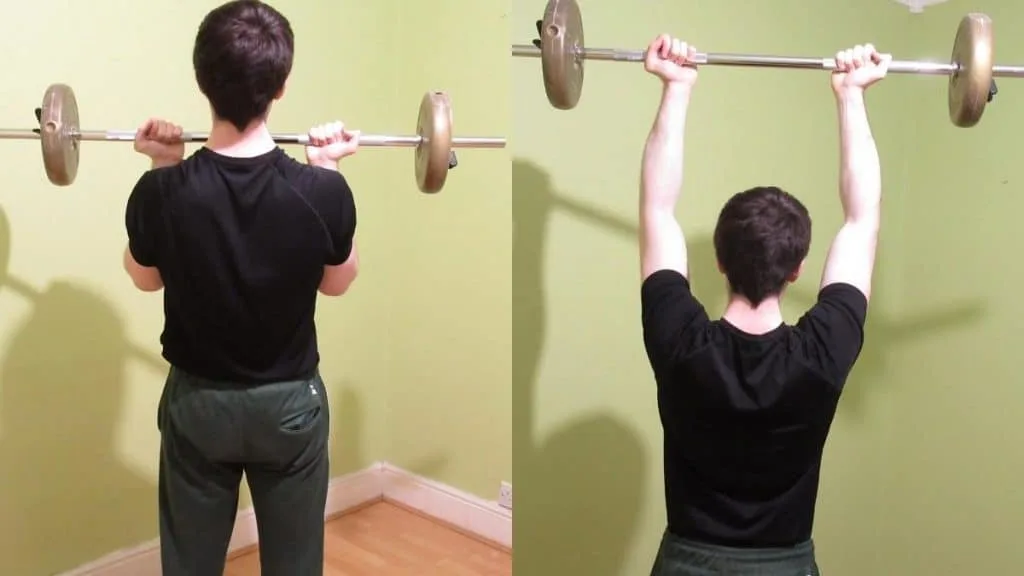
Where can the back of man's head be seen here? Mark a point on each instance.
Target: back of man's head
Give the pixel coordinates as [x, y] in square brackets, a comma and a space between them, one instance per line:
[242, 58]
[761, 239]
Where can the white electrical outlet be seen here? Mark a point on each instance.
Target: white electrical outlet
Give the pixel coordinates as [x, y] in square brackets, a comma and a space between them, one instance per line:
[505, 495]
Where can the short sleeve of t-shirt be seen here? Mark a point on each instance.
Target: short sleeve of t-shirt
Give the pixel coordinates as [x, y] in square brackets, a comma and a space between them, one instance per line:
[337, 208]
[672, 317]
[143, 220]
[834, 330]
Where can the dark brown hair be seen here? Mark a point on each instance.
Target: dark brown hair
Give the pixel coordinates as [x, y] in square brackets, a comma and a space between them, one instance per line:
[242, 58]
[762, 236]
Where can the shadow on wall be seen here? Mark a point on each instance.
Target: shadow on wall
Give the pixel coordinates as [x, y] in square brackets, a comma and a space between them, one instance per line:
[65, 497]
[884, 334]
[584, 483]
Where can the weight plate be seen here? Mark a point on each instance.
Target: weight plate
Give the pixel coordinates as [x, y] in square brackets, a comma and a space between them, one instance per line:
[561, 43]
[433, 154]
[970, 84]
[58, 125]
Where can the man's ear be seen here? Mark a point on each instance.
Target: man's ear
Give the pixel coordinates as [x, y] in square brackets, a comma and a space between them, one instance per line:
[796, 273]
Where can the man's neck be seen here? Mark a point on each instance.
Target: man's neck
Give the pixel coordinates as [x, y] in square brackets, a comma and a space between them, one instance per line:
[764, 318]
[227, 140]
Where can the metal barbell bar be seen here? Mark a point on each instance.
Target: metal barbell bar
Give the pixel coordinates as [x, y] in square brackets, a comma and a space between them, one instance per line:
[562, 52]
[371, 140]
[60, 136]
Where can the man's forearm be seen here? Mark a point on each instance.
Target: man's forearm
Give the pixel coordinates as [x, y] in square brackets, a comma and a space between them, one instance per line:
[661, 178]
[860, 174]
[661, 175]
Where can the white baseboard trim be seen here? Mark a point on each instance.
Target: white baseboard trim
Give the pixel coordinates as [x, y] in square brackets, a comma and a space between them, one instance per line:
[465, 511]
[379, 481]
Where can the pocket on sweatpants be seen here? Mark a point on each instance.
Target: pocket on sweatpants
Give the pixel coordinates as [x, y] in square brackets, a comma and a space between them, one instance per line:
[301, 422]
[305, 413]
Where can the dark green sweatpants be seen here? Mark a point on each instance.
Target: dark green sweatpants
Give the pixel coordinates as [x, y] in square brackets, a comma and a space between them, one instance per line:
[212, 432]
[680, 557]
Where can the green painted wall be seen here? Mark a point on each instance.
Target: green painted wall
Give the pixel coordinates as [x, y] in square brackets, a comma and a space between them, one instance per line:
[953, 464]
[449, 408]
[921, 461]
[415, 357]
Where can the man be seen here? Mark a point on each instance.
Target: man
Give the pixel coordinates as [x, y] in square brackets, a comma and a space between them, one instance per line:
[746, 401]
[241, 238]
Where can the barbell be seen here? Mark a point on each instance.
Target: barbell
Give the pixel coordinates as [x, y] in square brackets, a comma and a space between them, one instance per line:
[60, 135]
[971, 71]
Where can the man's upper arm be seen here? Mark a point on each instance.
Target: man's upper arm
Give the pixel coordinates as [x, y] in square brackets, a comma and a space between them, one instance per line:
[834, 329]
[143, 220]
[339, 216]
[851, 257]
[144, 225]
[672, 317]
[662, 244]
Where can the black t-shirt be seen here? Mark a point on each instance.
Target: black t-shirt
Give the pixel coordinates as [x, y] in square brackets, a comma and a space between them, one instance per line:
[241, 244]
[745, 417]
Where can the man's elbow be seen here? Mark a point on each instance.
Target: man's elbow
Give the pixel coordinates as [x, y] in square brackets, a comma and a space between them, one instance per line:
[338, 279]
[656, 211]
[148, 282]
[337, 288]
[149, 287]
[145, 278]
[864, 212]
[867, 222]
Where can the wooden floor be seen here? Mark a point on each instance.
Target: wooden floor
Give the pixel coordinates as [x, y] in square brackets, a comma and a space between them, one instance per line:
[385, 540]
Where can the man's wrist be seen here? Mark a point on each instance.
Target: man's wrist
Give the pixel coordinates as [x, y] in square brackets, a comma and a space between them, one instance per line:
[676, 91]
[850, 97]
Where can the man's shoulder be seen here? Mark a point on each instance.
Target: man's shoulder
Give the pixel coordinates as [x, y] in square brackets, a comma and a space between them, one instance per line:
[162, 176]
[310, 180]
